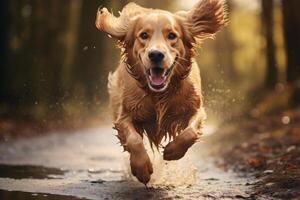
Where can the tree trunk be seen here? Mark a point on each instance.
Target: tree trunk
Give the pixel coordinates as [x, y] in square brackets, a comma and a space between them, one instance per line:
[267, 22]
[70, 41]
[4, 48]
[291, 24]
[225, 47]
[96, 54]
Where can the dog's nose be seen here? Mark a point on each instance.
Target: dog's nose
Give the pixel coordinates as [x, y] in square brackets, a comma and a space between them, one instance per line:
[156, 56]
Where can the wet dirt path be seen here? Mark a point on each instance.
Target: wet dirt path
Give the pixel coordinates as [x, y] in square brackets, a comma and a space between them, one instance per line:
[89, 164]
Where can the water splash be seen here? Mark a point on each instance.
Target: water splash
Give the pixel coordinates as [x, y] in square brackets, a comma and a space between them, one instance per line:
[173, 173]
[180, 173]
[167, 173]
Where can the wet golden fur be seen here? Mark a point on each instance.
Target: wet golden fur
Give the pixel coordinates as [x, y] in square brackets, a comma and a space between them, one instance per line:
[167, 114]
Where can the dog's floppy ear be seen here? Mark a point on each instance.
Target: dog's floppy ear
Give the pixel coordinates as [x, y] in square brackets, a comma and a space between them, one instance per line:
[205, 19]
[117, 27]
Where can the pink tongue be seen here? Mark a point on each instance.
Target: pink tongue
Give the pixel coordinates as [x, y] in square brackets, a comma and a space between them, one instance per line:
[157, 80]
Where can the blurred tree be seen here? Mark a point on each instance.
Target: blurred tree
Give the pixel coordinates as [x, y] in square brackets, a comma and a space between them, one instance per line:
[48, 48]
[18, 72]
[291, 23]
[225, 47]
[91, 71]
[70, 40]
[268, 32]
[4, 35]
[48, 28]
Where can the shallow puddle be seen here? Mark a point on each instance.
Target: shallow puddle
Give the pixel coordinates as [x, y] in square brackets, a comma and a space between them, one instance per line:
[94, 168]
[14, 195]
[28, 171]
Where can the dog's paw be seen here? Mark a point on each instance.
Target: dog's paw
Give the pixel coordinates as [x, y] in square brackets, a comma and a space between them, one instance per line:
[141, 166]
[174, 151]
[178, 148]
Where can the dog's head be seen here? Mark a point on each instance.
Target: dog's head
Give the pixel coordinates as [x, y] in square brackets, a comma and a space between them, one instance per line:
[158, 45]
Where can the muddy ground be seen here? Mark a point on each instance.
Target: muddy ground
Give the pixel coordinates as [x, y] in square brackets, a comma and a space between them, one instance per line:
[266, 148]
[89, 164]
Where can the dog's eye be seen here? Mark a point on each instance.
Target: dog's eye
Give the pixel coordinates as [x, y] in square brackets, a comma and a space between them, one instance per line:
[144, 35]
[172, 36]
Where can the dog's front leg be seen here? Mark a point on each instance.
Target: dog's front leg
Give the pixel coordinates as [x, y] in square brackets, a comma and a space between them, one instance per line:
[179, 146]
[132, 142]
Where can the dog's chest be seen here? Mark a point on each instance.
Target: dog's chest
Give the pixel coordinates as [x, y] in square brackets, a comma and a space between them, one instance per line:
[159, 119]
[143, 110]
[165, 112]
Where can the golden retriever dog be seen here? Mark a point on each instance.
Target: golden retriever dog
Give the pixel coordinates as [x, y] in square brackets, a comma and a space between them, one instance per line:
[156, 89]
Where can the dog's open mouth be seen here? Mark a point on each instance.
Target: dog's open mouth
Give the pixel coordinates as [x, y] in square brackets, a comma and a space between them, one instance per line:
[158, 77]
